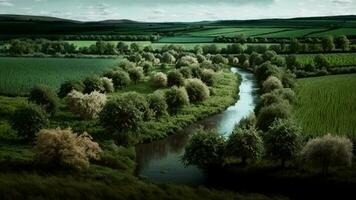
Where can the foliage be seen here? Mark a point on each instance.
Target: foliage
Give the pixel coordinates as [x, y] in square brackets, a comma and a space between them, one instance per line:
[108, 84]
[28, 120]
[176, 98]
[208, 76]
[45, 97]
[136, 74]
[245, 144]
[159, 80]
[328, 151]
[175, 78]
[157, 103]
[271, 83]
[69, 86]
[64, 148]
[197, 90]
[267, 115]
[87, 106]
[205, 149]
[187, 61]
[93, 83]
[120, 78]
[282, 141]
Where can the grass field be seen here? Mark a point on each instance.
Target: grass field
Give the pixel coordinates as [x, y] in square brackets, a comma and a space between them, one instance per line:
[327, 105]
[19, 75]
[338, 59]
[339, 31]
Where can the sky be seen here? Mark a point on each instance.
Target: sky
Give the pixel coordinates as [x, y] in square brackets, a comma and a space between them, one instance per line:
[177, 10]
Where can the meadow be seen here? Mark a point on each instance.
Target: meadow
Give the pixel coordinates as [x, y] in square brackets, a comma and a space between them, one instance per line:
[327, 105]
[19, 75]
[339, 59]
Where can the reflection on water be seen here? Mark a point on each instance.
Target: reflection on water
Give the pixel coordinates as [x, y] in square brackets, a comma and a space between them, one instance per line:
[159, 161]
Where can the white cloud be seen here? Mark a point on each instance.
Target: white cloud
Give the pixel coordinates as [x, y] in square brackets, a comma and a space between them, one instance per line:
[6, 3]
[342, 1]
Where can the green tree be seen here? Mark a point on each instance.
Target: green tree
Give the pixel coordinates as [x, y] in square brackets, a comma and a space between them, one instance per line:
[43, 95]
[328, 43]
[176, 99]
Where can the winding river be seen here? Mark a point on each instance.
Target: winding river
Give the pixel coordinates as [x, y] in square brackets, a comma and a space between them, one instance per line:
[159, 161]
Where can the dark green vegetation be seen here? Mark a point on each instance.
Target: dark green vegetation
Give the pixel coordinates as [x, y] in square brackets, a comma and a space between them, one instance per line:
[326, 105]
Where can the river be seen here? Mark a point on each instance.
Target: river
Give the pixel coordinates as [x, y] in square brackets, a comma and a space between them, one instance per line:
[159, 161]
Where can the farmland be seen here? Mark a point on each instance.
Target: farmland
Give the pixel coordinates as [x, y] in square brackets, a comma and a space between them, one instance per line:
[19, 75]
[327, 105]
[339, 59]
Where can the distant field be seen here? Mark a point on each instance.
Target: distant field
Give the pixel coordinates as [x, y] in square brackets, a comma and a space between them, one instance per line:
[327, 105]
[339, 31]
[87, 43]
[186, 39]
[293, 33]
[334, 59]
[19, 75]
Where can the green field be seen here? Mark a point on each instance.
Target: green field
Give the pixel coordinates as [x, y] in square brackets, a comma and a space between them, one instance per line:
[19, 75]
[327, 105]
[87, 43]
[339, 31]
[338, 59]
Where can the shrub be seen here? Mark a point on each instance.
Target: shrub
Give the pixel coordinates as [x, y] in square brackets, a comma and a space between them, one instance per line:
[108, 84]
[127, 65]
[205, 149]
[197, 90]
[282, 141]
[270, 113]
[247, 122]
[267, 69]
[87, 106]
[208, 76]
[120, 78]
[219, 59]
[124, 113]
[168, 58]
[92, 84]
[328, 151]
[321, 61]
[157, 103]
[136, 74]
[62, 147]
[271, 83]
[70, 85]
[176, 98]
[159, 80]
[146, 67]
[175, 78]
[45, 97]
[186, 72]
[245, 144]
[187, 61]
[196, 71]
[28, 120]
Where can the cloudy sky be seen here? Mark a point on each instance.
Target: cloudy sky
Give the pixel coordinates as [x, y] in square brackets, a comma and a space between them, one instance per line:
[177, 10]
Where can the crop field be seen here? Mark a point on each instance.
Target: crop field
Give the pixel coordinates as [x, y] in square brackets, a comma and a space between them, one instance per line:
[19, 75]
[293, 33]
[339, 31]
[87, 43]
[186, 39]
[327, 105]
[344, 59]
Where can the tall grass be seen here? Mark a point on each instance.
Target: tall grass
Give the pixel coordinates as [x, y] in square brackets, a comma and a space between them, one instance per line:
[19, 75]
[327, 105]
[334, 59]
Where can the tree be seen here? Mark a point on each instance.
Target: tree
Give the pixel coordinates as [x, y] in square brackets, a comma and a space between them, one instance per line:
[328, 43]
[93, 83]
[197, 90]
[175, 78]
[205, 149]
[43, 95]
[187, 61]
[62, 147]
[328, 151]
[186, 72]
[157, 103]
[87, 106]
[267, 69]
[219, 59]
[292, 62]
[69, 86]
[108, 84]
[120, 78]
[28, 120]
[342, 42]
[136, 74]
[321, 61]
[245, 144]
[268, 114]
[208, 76]
[271, 83]
[122, 47]
[282, 141]
[176, 99]
[159, 80]
[168, 58]
[294, 46]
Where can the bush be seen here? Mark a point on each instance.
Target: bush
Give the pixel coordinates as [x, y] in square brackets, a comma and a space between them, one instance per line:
[219, 59]
[321, 61]
[87, 106]
[187, 61]
[247, 122]
[136, 74]
[124, 113]
[245, 144]
[45, 97]
[176, 98]
[62, 147]
[168, 58]
[197, 90]
[146, 67]
[267, 69]
[120, 78]
[108, 84]
[270, 113]
[186, 72]
[282, 141]
[92, 84]
[196, 71]
[271, 83]
[157, 103]
[175, 78]
[70, 85]
[208, 76]
[126, 65]
[159, 80]
[328, 151]
[205, 149]
[28, 120]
